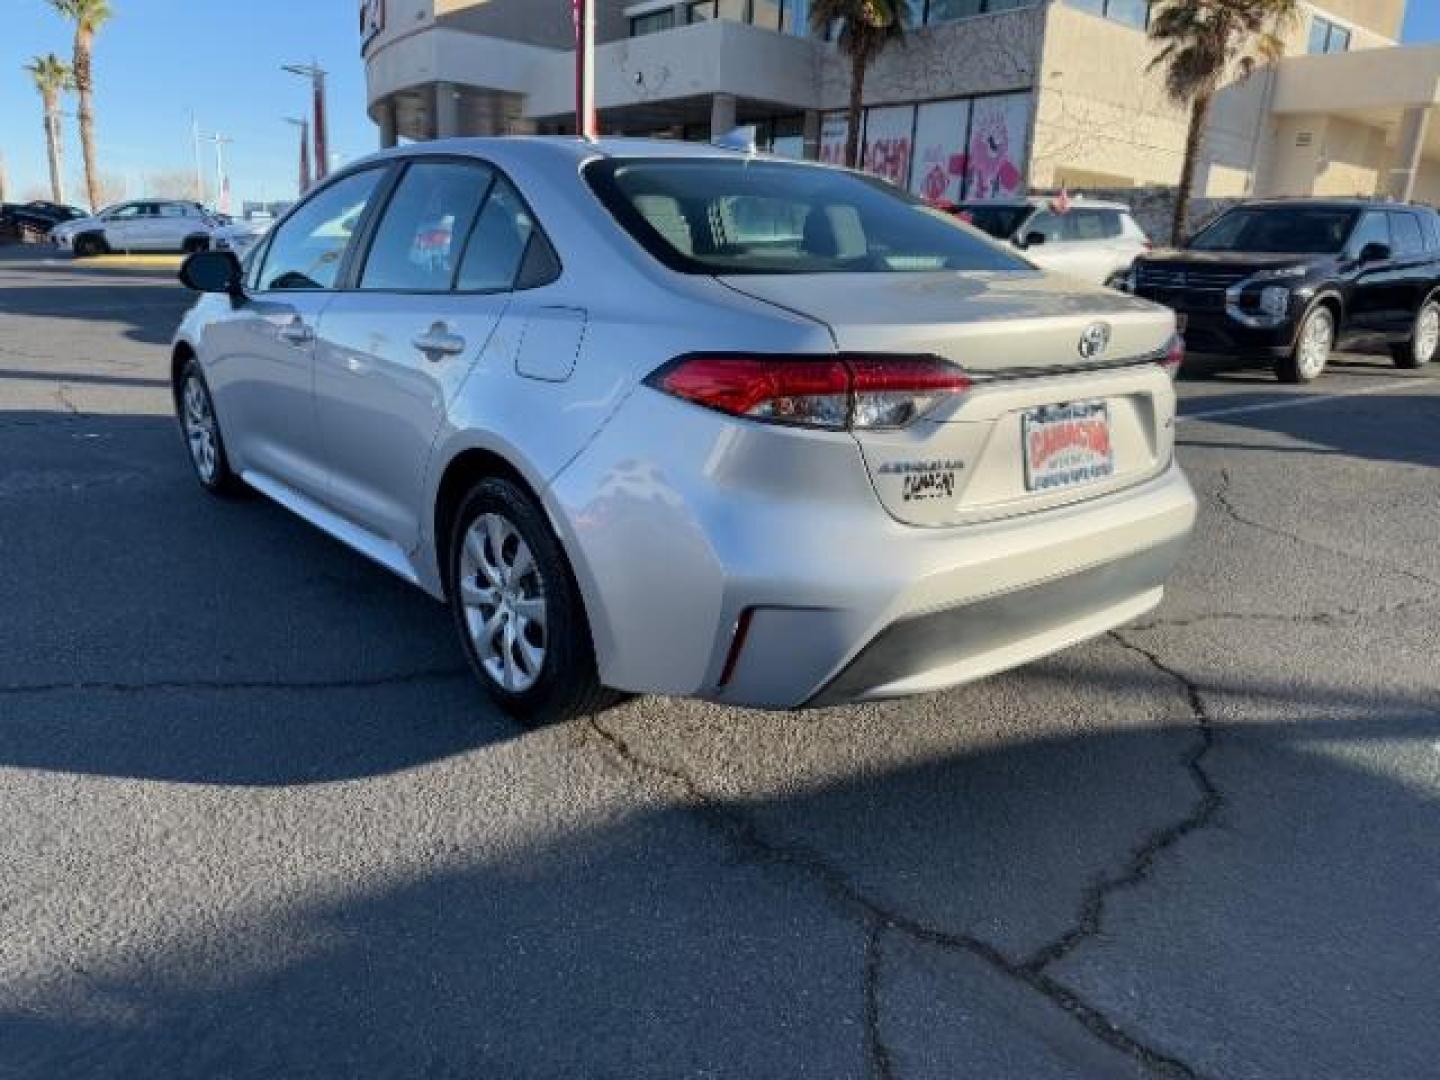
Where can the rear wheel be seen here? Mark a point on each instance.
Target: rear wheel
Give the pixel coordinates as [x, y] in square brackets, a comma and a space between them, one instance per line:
[1313, 345]
[90, 245]
[1424, 338]
[518, 610]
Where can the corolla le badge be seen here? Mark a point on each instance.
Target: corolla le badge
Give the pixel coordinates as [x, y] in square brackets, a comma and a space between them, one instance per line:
[1095, 340]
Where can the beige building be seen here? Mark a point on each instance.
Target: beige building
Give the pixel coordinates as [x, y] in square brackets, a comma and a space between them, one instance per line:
[985, 97]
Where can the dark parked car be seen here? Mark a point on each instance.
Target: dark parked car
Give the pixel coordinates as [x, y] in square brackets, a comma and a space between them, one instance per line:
[35, 219]
[1287, 280]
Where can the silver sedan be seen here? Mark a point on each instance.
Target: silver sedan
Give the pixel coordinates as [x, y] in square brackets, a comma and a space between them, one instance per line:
[661, 418]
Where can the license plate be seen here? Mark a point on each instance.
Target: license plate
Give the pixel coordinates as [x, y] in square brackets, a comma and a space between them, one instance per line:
[1067, 445]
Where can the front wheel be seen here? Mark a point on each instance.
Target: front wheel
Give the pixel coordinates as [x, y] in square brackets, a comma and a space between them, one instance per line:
[202, 435]
[518, 610]
[90, 245]
[1424, 338]
[1310, 356]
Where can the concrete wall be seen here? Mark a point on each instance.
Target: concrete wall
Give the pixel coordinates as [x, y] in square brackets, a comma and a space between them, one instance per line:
[988, 54]
[1102, 110]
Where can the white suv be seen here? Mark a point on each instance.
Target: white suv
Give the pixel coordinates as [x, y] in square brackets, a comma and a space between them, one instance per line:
[143, 225]
[1083, 238]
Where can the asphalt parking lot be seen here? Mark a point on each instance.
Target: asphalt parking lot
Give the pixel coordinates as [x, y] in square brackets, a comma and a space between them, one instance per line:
[257, 822]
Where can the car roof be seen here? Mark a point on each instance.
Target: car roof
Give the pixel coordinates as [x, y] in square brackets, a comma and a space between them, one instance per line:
[1077, 202]
[1330, 203]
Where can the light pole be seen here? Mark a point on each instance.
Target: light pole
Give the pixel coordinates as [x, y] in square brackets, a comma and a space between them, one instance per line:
[304, 126]
[195, 147]
[316, 74]
[222, 182]
[586, 125]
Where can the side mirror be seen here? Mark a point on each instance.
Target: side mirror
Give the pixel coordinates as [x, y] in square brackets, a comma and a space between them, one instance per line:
[213, 272]
[1032, 239]
[1373, 253]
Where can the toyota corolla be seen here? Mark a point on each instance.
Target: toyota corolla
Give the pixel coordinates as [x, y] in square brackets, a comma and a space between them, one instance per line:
[661, 418]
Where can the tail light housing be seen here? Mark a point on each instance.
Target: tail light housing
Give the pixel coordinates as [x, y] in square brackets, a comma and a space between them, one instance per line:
[834, 393]
[1174, 358]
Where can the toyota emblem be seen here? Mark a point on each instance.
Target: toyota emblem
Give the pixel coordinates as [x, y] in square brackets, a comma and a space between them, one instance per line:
[1095, 340]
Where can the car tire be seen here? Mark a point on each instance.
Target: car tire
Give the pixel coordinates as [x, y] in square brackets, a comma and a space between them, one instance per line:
[88, 245]
[1424, 339]
[1313, 345]
[195, 244]
[518, 610]
[200, 427]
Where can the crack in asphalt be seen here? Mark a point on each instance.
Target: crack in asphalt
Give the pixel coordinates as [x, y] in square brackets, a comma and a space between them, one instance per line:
[744, 834]
[1143, 857]
[1330, 617]
[1224, 499]
[881, 1062]
[223, 685]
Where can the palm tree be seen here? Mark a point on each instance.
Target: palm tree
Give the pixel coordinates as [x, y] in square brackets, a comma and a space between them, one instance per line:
[869, 25]
[1203, 40]
[52, 78]
[88, 16]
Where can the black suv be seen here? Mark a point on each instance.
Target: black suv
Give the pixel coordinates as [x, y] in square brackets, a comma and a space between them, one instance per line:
[1285, 280]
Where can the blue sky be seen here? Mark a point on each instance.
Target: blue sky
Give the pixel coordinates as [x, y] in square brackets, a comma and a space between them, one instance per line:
[159, 59]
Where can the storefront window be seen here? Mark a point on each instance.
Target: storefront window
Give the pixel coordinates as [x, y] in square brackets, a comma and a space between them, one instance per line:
[928, 12]
[1328, 37]
[652, 23]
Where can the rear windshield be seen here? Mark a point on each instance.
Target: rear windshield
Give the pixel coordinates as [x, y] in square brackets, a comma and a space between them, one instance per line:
[1001, 222]
[742, 216]
[1286, 229]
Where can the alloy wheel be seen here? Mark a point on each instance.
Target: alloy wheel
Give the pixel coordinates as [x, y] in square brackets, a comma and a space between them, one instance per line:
[1316, 345]
[1427, 333]
[503, 596]
[200, 430]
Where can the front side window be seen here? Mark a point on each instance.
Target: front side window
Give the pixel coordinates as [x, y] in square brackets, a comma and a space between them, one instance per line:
[123, 213]
[1289, 230]
[309, 247]
[728, 216]
[1374, 228]
[1409, 240]
[418, 242]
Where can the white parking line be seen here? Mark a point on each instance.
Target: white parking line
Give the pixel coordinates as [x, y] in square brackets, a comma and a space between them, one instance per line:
[1305, 399]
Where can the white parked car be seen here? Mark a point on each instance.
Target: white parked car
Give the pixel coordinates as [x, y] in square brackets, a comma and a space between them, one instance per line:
[1086, 239]
[142, 225]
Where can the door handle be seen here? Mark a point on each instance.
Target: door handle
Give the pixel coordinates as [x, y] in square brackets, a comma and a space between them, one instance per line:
[438, 342]
[296, 332]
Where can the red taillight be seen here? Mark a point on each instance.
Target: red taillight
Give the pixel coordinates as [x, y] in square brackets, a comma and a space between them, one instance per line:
[823, 391]
[1174, 358]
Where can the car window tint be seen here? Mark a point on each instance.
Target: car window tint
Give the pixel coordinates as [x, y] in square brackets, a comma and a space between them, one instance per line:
[173, 210]
[124, 213]
[725, 215]
[1292, 230]
[1001, 222]
[1048, 224]
[1374, 228]
[418, 241]
[497, 243]
[309, 247]
[1083, 225]
[1432, 232]
[1408, 238]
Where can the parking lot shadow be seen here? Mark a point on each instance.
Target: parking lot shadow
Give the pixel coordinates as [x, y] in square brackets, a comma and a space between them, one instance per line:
[147, 309]
[1373, 426]
[1294, 937]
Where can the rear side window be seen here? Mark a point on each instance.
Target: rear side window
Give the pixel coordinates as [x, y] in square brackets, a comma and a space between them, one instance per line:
[417, 245]
[1374, 228]
[1082, 225]
[1408, 238]
[736, 216]
[499, 242]
[309, 247]
[1432, 231]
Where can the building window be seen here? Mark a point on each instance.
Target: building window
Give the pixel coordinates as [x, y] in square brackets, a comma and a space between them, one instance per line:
[929, 12]
[787, 16]
[1328, 37]
[652, 23]
[1134, 13]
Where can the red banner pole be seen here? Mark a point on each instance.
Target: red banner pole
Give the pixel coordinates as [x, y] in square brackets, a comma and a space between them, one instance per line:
[586, 125]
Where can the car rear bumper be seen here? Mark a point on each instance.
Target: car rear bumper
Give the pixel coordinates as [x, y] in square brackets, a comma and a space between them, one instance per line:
[755, 566]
